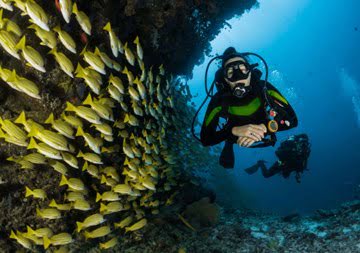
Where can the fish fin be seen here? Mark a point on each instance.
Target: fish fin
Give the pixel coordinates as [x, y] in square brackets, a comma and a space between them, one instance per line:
[57, 28]
[21, 43]
[63, 180]
[97, 51]
[75, 9]
[50, 119]
[87, 235]
[83, 51]
[98, 197]
[34, 131]
[88, 100]
[32, 144]
[53, 203]
[38, 212]
[30, 230]
[13, 77]
[107, 27]
[13, 235]
[86, 165]
[32, 26]
[102, 207]
[28, 191]
[70, 107]
[47, 242]
[80, 131]
[52, 51]
[79, 226]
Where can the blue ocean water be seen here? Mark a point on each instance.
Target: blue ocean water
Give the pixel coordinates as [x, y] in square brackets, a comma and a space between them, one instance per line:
[313, 51]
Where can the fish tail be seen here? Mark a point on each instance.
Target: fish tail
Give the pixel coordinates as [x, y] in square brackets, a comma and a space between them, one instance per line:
[80, 154]
[79, 226]
[53, 203]
[28, 192]
[88, 100]
[47, 242]
[75, 9]
[21, 43]
[70, 107]
[125, 70]
[85, 166]
[13, 235]
[126, 118]
[102, 207]
[21, 119]
[63, 180]
[32, 144]
[38, 212]
[52, 51]
[107, 27]
[30, 230]
[57, 29]
[98, 197]
[34, 131]
[97, 51]
[136, 41]
[87, 235]
[103, 179]
[50, 119]
[12, 77]
[32, 26]
[79, 132]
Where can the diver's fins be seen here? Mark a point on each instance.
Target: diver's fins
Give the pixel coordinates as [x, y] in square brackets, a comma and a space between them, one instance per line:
[227, 157]
[251, 170]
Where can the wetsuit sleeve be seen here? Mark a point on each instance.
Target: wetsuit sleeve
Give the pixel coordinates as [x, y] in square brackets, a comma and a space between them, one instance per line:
[285, 117]
[209, 134]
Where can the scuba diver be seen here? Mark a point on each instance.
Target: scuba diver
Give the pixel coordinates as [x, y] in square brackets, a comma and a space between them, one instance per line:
[252, 109]
[293, 154]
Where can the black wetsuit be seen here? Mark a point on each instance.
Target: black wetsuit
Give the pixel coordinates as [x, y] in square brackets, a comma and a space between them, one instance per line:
[293, 154]
[242, 111]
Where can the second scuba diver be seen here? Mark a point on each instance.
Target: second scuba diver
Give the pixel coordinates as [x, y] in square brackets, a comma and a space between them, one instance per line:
[242, 102]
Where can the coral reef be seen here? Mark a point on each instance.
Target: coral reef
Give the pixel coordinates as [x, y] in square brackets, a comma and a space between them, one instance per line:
[124, 182]
[242, 230]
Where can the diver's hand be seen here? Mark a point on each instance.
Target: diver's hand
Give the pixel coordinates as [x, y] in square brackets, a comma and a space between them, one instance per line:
[245, 141]
[254, 132]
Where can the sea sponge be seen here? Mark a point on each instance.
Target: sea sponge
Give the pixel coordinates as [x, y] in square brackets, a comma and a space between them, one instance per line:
[202, 213]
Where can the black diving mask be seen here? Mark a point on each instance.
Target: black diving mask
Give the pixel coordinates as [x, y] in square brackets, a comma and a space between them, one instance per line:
[237, 71]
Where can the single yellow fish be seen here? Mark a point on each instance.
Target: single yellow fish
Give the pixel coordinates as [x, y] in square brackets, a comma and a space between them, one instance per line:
[48, 213]
[90, 221]
[74, 183]
[99, 232]
[36, 193]
[109, 244]
[33, 57]
[82, 19]
[58, 239]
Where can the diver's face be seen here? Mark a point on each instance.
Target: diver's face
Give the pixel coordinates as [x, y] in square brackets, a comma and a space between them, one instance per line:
[234, 64]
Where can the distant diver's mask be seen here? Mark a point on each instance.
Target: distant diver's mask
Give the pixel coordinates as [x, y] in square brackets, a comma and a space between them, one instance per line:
[237, 71]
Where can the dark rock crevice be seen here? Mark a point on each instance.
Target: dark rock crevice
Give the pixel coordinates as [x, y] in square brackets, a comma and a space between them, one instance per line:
[175, 33]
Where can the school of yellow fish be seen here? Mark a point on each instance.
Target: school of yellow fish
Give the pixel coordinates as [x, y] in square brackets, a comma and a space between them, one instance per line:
[129, 110]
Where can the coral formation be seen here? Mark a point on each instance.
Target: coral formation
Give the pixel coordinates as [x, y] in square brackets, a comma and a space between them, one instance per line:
[143, 149]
